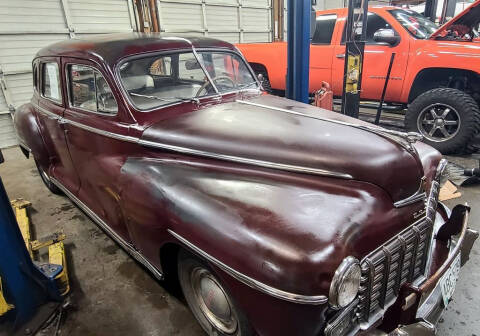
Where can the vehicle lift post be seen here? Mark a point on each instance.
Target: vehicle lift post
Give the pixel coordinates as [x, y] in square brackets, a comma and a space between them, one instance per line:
[354, 52]
[299, 32]
[29, 293]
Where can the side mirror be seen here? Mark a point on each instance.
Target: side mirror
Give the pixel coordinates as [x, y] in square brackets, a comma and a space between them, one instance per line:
[387, 36]
[261, 79]
[1, 157]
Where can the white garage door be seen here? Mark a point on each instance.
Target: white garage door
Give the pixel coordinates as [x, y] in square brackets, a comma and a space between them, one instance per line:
[28, 25]
[230, 20]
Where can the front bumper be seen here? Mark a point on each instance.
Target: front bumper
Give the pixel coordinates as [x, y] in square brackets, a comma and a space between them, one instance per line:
[418, 308]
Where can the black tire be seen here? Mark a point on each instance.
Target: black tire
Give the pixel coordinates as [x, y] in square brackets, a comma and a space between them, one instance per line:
[260, 70]
[46, 180]
[191, 273]
[453, 129]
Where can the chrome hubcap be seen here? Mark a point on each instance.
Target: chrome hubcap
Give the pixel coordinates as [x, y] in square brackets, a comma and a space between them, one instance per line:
[213, 301]
[439, 122]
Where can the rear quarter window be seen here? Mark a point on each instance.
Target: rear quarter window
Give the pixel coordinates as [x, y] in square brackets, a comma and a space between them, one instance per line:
[51, 87]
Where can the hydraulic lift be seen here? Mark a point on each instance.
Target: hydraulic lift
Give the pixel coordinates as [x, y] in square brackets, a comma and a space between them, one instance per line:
[31, 292]
[301, 24]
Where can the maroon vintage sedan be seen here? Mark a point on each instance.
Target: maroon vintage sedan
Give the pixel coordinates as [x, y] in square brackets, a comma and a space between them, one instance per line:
[277, 218]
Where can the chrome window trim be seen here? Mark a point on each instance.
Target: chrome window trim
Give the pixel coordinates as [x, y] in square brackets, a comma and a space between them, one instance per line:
[56, 102]
[69, 96]
[278, 293]
[194, 50]
[191, 151]
[125, 245]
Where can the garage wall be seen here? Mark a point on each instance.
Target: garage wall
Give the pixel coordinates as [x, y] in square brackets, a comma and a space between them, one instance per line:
[231, 20]
[28, 25]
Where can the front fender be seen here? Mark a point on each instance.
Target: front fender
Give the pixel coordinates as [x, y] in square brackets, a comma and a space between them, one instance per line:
[28, 133]
[287, 231]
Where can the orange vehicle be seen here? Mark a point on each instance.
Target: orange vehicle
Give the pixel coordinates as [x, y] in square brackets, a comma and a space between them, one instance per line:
[436, 72]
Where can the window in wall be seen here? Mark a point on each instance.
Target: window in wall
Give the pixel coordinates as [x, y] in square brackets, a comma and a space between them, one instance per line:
[90, 91]
[374, 23]
[324, 26]
[51, 82]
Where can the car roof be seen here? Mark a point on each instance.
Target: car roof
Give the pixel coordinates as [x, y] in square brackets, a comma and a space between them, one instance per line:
[110, 48]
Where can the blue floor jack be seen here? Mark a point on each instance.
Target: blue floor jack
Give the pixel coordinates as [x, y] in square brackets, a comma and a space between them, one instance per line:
[29, 292]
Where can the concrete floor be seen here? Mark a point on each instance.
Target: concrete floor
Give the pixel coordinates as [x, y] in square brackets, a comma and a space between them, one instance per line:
[114, 295]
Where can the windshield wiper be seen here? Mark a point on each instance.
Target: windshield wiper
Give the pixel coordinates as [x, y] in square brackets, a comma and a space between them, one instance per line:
[169, 99]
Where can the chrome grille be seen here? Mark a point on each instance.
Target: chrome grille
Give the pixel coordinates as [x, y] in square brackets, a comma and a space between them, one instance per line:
[401, 260]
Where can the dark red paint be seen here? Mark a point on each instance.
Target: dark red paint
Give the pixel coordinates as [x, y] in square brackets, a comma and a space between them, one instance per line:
[288, 230]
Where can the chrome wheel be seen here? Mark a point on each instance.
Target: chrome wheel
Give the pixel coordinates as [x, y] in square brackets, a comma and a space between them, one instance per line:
[213, 301]
[439, 122]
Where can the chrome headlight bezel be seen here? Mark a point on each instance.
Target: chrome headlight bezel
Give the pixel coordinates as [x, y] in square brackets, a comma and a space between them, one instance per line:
[349, 270]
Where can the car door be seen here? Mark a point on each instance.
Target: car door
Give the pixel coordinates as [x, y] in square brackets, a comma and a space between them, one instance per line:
[321, 51]
[50, 110]
[95, 133]
[376, 62]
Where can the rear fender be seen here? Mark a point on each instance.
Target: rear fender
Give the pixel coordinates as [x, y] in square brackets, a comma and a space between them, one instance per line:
[29, 135]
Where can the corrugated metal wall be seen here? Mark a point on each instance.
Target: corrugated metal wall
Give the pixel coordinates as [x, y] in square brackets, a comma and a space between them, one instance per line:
[28, 25]
[230, 20]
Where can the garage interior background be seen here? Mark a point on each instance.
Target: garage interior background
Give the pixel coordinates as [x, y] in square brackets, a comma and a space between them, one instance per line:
[28, 25]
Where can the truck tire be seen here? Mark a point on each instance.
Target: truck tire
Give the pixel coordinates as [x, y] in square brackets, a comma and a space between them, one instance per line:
[447, 118]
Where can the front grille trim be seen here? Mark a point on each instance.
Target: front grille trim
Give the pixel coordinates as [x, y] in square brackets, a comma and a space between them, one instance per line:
[376, 268]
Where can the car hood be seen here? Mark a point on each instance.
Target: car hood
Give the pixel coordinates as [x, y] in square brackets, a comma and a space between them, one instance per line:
[283, 134]
[468, 17]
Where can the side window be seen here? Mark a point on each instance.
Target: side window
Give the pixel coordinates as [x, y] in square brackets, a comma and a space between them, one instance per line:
[51, 82]
[161, 66]
[90, 91]
[374, 23]
[189, 68]
[324, 26]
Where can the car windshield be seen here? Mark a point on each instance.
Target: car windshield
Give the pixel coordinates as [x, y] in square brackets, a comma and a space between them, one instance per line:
[155, 81]
[416, 24]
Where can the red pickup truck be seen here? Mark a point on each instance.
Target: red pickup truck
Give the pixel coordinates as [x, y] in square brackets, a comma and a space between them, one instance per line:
[436, 72]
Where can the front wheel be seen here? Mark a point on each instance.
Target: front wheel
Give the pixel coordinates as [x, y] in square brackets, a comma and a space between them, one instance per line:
[208, 300]
[447, 118]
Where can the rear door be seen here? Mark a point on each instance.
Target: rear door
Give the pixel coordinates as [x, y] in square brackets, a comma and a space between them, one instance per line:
[98, 140]
[50, 110]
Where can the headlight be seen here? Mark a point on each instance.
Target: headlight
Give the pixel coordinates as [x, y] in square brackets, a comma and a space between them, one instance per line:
[345, 283]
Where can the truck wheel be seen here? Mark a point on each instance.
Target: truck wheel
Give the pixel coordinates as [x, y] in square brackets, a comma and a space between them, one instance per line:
[208, 300]
[46, 180]
[447, 118]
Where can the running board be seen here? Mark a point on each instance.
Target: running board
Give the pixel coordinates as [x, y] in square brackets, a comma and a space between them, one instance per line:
[125, 245]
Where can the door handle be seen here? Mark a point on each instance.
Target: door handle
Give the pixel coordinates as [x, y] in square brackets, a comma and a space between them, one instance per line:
[340, 55]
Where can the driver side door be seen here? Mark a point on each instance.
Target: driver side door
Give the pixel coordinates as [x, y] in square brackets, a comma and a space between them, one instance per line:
[376, 62]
